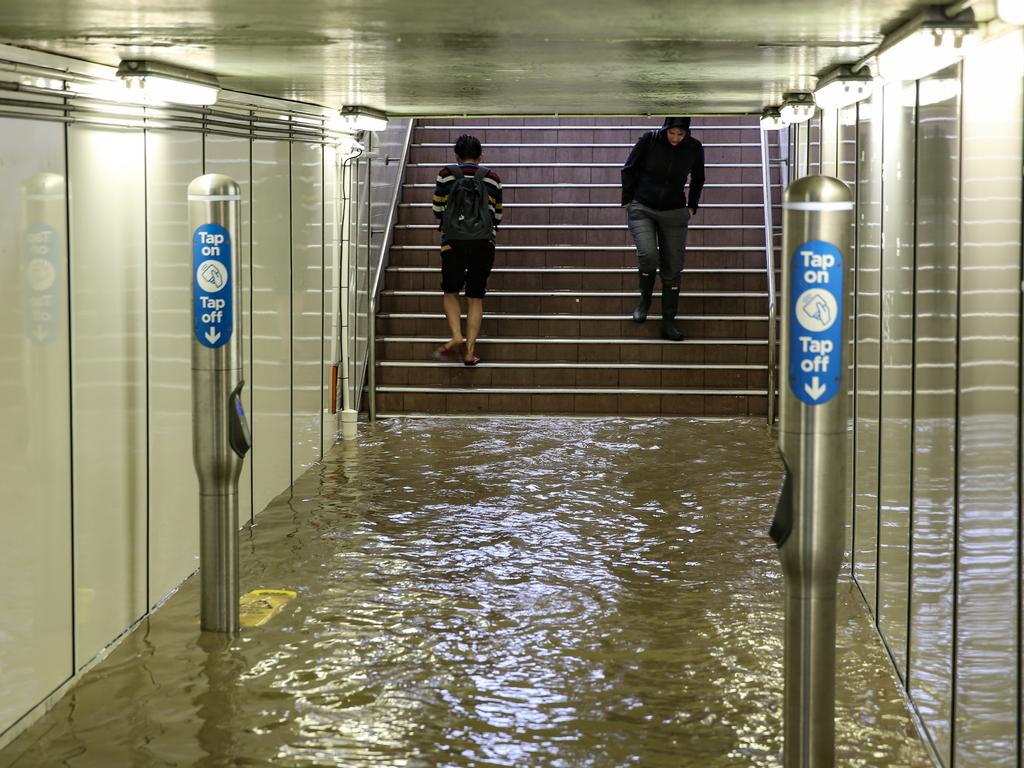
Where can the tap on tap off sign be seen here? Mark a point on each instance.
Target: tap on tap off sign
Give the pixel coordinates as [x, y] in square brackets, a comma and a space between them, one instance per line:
[815, 322]
[211, 270]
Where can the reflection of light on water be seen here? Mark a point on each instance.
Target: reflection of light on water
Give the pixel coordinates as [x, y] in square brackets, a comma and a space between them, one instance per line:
[568, 596]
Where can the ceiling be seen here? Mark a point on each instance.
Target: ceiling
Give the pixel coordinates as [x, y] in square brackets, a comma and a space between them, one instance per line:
[517, 57]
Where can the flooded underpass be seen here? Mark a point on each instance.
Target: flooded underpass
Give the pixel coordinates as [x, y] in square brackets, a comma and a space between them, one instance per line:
[493, 592]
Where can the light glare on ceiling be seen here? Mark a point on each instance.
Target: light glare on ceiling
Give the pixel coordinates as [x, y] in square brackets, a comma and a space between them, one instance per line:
[771, 119]
[843, 87]
[797, 107]
[925, 45]
[157, 82]
[364, 118]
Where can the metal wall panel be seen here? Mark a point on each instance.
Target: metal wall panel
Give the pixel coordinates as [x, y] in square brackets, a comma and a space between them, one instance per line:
[35, 454]
[830, 142]
[108, 299]
[332, 298]
[987, 626]
[868, 333]
[230, 156]
[307, 305]
[933, 506]
[896, 380]
[814, 143]
[172, 160]
[801, 150]
[846, 171]
[271, 321]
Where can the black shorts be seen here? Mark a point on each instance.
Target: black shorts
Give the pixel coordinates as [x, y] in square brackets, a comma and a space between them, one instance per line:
[466, 263]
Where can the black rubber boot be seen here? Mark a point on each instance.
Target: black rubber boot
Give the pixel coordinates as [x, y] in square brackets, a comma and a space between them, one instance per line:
[646, 289]
[669, 305]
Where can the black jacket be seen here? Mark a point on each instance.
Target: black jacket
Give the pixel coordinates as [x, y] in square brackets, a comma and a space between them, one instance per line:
[655, 172]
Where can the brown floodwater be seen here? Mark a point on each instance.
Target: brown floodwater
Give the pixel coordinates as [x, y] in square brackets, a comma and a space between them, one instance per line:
[492, 592]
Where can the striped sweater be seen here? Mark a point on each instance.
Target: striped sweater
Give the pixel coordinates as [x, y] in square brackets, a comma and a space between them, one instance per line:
[443, 185]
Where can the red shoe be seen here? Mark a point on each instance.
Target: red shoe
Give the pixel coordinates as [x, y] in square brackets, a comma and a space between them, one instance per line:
[448, 354]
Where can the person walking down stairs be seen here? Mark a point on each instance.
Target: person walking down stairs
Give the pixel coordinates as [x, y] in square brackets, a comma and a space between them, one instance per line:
[467, 204]
[658, 211]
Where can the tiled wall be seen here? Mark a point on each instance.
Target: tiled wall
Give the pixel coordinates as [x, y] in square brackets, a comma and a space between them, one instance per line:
[935, 503]
[100, 505]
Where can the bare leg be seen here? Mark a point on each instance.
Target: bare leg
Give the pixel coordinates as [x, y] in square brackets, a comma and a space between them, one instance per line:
[453, 311]
[474, 316]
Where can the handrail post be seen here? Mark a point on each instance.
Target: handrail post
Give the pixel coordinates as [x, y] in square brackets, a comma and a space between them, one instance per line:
[769, 255]
[371, 368]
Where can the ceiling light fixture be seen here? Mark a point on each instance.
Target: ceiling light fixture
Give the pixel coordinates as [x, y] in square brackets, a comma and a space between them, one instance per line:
[843, 86]
[797, 107]
[771, 119]
[926, 44]
[365, 118]
[158, 82]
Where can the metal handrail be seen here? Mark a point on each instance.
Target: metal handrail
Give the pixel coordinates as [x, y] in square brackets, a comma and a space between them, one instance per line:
[769, 255]
[371, 304]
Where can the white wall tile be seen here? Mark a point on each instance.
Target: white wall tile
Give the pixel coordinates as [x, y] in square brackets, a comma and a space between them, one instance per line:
[307, 305]
[271, 320]
[35, 454]
[108, 289]
[172, 160]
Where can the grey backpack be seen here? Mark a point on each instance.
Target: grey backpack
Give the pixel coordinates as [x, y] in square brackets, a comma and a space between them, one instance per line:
[467, 215]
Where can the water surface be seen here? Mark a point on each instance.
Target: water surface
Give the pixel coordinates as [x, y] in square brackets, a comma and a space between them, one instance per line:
[492, 592]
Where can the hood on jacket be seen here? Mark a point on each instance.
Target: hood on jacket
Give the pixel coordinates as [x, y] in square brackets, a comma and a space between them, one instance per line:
[676, 122]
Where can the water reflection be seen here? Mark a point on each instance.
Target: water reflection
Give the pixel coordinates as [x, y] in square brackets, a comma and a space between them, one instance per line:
[501, 593]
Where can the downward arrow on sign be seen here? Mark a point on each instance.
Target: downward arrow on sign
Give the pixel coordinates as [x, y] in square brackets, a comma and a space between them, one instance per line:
[212, 335]
[815, 389]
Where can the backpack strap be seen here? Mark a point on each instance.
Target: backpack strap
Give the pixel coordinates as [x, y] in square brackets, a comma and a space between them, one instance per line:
[481, 171]
[455, 171]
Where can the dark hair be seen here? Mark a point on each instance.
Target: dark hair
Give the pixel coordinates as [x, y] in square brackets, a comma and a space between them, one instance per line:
[468, 147]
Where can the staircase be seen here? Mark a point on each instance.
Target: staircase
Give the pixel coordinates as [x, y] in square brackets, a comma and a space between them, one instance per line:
[557, 334]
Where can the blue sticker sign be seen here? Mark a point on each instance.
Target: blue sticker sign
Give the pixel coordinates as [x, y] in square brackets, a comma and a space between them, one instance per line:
[816, 322]
[212, 291]
[43, 283]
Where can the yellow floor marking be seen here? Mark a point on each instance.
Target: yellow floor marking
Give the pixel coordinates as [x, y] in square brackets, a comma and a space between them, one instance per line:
[258, 607]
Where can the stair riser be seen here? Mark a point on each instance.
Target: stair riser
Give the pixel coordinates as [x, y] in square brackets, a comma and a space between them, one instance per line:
[548, 280]
[585, 258]
[459, 376]
[583, 217]
[497, 350]
[577, 305]
[547, 174]
[583, 236]
[500, 155]
[624, 405]
[750, 194]
[568, 329]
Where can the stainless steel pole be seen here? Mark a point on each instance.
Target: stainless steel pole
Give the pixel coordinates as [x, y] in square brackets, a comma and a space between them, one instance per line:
[220, 433]
[809, 523]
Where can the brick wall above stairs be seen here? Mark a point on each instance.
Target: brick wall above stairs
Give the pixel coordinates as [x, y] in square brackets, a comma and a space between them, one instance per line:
[557, 334]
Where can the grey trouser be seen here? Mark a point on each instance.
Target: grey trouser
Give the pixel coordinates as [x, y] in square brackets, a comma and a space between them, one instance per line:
[660, 238]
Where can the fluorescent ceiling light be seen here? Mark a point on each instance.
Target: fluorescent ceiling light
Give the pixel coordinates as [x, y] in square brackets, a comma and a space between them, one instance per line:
[842, 87]
[926, 44]
[365, 118]
[771, 119]
[158, 82]
[797, 107]
[1011, 11]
